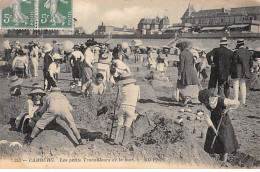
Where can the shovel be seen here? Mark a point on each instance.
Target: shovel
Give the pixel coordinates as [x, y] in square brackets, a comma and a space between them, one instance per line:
[114, 114]
[220, 121]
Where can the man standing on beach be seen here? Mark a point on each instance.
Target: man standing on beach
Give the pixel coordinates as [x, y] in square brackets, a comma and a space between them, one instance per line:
[220, 65]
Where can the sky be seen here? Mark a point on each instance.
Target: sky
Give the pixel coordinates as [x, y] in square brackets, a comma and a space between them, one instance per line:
[91, 13]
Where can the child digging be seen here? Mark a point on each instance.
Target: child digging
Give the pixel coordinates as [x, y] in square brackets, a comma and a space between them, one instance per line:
[131, 94]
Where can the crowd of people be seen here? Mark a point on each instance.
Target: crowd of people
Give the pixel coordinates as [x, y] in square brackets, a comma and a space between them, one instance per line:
[94, 65]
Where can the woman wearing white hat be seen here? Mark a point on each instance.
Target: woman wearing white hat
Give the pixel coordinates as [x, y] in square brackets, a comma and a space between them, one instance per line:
[53, 71]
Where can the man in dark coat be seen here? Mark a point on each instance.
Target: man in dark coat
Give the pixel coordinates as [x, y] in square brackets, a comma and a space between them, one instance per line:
[242, 61]
[220, 68]
[46, 62]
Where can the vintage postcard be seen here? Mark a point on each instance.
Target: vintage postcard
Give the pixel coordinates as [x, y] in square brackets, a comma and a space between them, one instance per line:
[130, 84]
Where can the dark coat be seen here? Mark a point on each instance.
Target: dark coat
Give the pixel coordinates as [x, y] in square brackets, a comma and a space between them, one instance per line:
[222, 59]
[242, 61]
[226, 141]
[47, 61]
[187, 69]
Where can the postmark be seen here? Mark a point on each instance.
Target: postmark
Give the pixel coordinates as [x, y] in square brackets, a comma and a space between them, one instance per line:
[55, 14]
[19, 15]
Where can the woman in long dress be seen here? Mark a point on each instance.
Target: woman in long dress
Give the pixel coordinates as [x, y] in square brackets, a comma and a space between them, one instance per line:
[220, 108]
[187, 76]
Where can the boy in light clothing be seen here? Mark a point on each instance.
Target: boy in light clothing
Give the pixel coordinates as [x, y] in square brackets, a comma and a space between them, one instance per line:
[131, 94]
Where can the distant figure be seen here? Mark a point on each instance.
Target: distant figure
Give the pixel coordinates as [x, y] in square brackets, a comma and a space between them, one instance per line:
[56, 17]
[88, 62]
[220, 68]
[76, 63]
[187, 76]
[53, 71]
[241, 64]
[46, 63]
[7, 51]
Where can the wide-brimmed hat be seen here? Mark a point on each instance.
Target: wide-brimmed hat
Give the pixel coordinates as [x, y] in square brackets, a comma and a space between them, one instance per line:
[184, 44]
[47, 47]
[240, 41]
[56, 56]
[126, 80]
[21, 52]
[55, 89]
[15, 81]
[223, 41]
[105, 58]
[37, 91]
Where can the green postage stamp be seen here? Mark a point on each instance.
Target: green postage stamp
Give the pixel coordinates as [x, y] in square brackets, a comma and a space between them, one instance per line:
[53, 14]
[19, 14]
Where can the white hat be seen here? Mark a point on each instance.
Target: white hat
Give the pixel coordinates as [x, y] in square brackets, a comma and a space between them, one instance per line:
[223, 41]
[15, 81]
[105, 58]
[47, 47]
[56, 56]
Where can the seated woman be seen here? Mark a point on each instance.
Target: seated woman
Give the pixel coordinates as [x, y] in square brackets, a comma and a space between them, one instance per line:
[20, 62]
[220, 108]
[27, 118]
[94, 87]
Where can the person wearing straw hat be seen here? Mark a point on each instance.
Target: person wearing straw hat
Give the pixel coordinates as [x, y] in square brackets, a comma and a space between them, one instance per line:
[103, 67]
[55, 105]
[130, 94]
[46, 62]
[241, 63]
[220, 109]
[53, 71]
[15, 84]
[220, 68]
[27, 118]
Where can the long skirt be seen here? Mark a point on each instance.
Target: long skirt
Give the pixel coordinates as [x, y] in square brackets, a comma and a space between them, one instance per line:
[87, 74]
[77, 69]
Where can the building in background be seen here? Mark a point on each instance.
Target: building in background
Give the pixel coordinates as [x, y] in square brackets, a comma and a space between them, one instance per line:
[242, 19]
[111, 30]
[148, 26]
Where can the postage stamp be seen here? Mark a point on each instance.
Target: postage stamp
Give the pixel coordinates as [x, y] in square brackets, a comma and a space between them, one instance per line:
[55, 14]
[19, 14]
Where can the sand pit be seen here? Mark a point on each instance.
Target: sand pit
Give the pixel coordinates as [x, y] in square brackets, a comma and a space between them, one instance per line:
[156, 135]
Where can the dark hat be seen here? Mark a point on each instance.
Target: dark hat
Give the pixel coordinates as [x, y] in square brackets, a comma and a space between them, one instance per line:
[126, 80]
[21, 52]
[54, 41]
[205, 94]
[99, 75]
[240, 41]
[223, 41]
